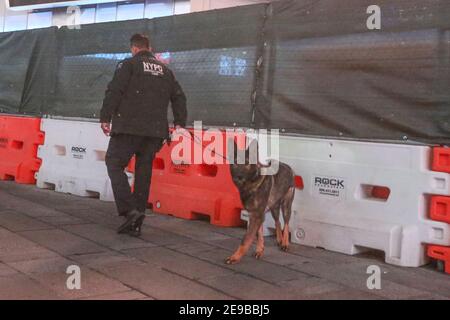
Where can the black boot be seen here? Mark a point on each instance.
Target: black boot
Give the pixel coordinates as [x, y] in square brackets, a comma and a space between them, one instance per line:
[129, 220]
[135, 229]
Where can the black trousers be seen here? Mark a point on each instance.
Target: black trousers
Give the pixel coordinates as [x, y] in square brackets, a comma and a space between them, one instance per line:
[121, 149]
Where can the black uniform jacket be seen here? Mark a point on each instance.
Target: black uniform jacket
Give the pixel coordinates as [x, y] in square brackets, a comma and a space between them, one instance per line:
[137, 98]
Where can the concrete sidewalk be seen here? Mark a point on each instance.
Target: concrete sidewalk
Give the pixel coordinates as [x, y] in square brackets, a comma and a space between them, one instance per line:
[43, 232]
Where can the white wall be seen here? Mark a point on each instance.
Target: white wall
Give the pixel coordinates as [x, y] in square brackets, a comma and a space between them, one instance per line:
[2, 14]
[13, 20]
[20, 20]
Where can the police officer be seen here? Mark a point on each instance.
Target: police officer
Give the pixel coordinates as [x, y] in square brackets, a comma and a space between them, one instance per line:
[134, 114]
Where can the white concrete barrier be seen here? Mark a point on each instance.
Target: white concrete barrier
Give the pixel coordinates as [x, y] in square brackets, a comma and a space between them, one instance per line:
[73, 159]
[362, 195]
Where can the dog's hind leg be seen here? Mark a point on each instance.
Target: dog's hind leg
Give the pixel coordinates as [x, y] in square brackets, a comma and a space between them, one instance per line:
[275, 210]
[287, 209]
[260, 243]
[255, 223]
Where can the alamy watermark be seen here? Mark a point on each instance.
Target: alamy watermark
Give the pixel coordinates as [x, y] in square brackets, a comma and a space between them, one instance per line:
[374, 280]
[229, 146]
[374, 20]
[74, 279]
[73, 19]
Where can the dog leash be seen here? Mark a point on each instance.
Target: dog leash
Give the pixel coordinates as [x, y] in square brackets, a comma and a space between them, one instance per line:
[199, 142]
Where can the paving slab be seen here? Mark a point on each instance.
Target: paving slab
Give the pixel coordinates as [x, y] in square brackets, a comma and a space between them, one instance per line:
[6, 271]
[161, 284]
[46, 265]
[234, 232]
[162, 237]
[92, 216]
[259, 269]
[62, 242]
[14, 247]
[307, 287]
[29, 208]
[345, 294]
[275, 255]
[188, 266]
[22, 287]
[191, 247]
[187, 228]
[355, 276]
[46, 197]
[106, 237]
[16, 221]
[418, 278]
[62, 220]
[43, 232]
[92, 284]
[230, 244]
[96, 261]
[245, 287]
[102, 207]
[324, 255]
[127, 295]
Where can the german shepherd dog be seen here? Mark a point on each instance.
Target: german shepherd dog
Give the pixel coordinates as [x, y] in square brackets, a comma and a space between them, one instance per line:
[258, 194]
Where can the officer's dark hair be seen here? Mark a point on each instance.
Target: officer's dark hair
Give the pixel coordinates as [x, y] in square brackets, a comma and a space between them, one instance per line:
[140, 41]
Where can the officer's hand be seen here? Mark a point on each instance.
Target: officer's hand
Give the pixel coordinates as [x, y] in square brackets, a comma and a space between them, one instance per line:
[106, 127]
[167, 141]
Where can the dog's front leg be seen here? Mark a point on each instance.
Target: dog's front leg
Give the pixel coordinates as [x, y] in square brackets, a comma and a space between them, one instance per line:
[255, 223]
[287, 208]
[260, 243]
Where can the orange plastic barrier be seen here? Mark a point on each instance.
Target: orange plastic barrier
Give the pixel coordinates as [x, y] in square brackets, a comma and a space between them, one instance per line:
[440, 209]
[441, 159]
[19, 141]
[441, 254]
[299, 183]
[440, 206]
[381, 193]
[193, 191]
